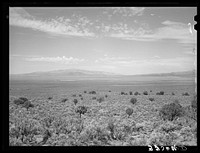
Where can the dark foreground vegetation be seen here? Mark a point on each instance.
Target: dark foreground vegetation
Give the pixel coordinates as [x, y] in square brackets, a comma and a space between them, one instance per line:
[92, 118]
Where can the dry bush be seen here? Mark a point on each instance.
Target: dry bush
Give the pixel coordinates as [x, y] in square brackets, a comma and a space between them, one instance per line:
[75, 101]
[92, 92]
[136, 93]
[130, 92]
[194, 102]
[129, 111]
[24, 132]
[106, 96]
[20, 101]
[101, 99]
[133, 100]
[111, 128]
[185, 94]
[23, 98]
[122, 93]
[162, 139]
[160, 93]
[171, 111]
[169, 127]
[93, 98]
[191, 112]
[145, 93]
[64, 100]
[81, 110]
[151, 99]
[27, 105]
[95, 136]
[48, 120]
[85, 91]
[49, 98]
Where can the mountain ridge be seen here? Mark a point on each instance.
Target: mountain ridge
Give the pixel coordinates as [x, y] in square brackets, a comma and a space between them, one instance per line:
[79, 74]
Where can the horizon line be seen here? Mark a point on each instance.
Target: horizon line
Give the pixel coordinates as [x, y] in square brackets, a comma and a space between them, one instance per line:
[102, 71]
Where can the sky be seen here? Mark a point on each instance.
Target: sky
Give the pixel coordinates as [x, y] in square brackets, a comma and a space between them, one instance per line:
[123, 40]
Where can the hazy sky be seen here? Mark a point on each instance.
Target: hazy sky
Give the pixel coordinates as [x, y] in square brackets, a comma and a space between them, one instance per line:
[126, 40]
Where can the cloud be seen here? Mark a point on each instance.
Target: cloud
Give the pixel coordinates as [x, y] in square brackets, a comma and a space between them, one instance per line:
[60, 26]
[156, 56]
[167, 22]
[81, 26]
[171, 30]
[62, 60]
[112, 60]
[137, 10]
[174, 30]
[127, 11]
[179, 62]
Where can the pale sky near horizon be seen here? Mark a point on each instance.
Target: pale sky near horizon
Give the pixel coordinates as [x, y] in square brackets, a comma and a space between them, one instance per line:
[125, 40]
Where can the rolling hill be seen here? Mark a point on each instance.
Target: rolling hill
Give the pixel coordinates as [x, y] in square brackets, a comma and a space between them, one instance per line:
[78, 74]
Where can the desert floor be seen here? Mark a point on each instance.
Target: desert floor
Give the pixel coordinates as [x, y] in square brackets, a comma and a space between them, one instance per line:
[52, 122]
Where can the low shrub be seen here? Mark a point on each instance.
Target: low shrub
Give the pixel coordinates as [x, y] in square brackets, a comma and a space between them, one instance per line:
[75, 101]
[171, 111]
[92, 92]
[74, 95]
[96, 136]
[173, 93]
[145, 93]
[106, 96]
[151, 99]
[136, 93]
[81, 110]
[122, 93]
[27, 105]
[185, 94]
[81, 98]
[23, 98]
[93, 98]
[194, 102]
[160, 93]
[100, 99]
[130, 92]
[129, 111]
[150, 90]
[20, 101]
[111, 128]
[23, 132]
[64, 100]
[80, 95]
[133, 100]
[109, 91]
[85, 91]
[49, 98]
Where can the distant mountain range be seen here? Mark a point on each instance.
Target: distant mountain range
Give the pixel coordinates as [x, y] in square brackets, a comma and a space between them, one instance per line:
[64, 75]
[78, 74]
[181, 74]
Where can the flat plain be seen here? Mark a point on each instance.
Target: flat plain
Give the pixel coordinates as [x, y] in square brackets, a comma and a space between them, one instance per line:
[54, 121]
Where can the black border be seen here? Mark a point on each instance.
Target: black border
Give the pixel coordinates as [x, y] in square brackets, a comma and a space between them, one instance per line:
[5, 65]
